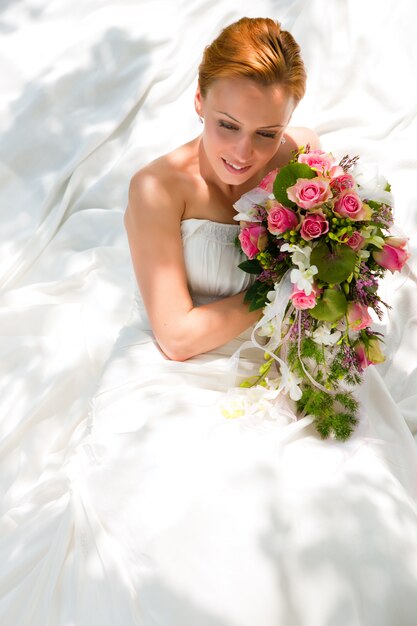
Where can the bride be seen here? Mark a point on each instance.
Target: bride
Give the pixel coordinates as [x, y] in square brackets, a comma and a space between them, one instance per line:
[168, 514]
[245, 98]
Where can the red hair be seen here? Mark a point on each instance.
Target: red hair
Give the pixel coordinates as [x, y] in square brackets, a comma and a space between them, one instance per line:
[254, 48]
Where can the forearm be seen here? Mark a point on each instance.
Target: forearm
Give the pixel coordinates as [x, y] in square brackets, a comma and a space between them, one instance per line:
[208, 326]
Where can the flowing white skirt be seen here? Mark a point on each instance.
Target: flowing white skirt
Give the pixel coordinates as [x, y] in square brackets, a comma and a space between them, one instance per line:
[165, 513]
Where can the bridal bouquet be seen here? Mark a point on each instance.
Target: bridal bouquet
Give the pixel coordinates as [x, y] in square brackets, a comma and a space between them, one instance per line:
[316, 235]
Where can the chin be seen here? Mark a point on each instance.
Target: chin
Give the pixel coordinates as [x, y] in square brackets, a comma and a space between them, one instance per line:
[235, 177]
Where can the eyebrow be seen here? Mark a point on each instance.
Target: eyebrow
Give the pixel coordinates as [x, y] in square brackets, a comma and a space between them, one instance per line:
[235, 120]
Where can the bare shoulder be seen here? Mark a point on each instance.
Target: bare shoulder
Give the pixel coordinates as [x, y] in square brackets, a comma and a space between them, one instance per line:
[155, 187]
[301, 136]
[161, 187]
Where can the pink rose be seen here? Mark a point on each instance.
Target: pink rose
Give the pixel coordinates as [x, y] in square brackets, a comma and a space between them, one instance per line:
[308, 193]
[267, 182]
[358, 316]
[342, 182]
[355, 241]
[279, 218]
[336, 170]
[301, 300]
[369, 353]
[318, 160]
[393, 255]
[350, 205]
[253, 239]
[314, 225]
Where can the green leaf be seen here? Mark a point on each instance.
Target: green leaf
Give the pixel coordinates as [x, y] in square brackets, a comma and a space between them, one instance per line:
[287, 177]
[374, 205]
[256, 295]
[251, 266]
[334, 265]
[331, 306]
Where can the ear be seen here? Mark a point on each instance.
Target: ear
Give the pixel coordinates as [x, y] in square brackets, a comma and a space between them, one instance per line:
[198, 105]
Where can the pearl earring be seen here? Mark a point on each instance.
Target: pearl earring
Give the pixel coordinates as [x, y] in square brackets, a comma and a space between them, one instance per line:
[283, 140]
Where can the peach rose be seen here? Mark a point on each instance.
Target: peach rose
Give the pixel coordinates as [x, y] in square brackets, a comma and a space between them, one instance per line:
[253, 239]
[280, 218]
[393, 255]
[358, 316]
[309, 193]
[369, 353]
[314, 225]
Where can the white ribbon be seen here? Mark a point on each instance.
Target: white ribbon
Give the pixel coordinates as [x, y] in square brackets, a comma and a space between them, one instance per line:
[314, 382]
[276, 311]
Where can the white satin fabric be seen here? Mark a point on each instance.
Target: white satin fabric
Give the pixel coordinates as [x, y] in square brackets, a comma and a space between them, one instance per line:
[161, 512]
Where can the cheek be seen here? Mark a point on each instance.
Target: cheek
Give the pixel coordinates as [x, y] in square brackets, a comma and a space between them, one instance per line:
[215, 139]
[266, 147]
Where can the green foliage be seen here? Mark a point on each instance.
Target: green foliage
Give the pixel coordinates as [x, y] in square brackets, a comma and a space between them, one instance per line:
[311, 350]
[331, 306]
[334, 263]
[287, 177]
[251, 266]
[292, 358]
[336, 370]
[340, 425]
[353, 378]
[334, 414]
[348, 401]
[334, 411]
[256, 295]
[314, 401]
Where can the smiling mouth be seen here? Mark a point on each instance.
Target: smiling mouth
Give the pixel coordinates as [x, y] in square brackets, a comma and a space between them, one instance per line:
[236, 169]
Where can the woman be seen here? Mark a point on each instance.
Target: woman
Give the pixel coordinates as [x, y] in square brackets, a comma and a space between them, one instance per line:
[245, 98]
[168, 513]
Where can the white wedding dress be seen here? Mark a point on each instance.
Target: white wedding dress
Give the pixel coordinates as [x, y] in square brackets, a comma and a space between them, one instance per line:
[162, 512]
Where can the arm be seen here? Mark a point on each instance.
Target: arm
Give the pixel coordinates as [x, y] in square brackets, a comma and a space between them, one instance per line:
[152, 222]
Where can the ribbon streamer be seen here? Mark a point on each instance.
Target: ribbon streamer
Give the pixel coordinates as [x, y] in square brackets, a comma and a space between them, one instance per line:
[274, 310]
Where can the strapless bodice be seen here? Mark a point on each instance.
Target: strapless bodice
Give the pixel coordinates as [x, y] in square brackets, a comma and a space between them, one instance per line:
[211, 260]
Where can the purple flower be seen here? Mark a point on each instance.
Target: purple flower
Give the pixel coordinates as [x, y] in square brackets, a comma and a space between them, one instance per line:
[350, 359]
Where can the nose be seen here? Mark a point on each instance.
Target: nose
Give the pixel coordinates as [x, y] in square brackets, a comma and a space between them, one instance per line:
[243, 149]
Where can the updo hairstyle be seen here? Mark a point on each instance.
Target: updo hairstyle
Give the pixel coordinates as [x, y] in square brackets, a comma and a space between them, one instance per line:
[254, 48]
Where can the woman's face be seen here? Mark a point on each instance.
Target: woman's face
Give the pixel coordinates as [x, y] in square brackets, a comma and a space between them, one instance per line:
[243, 126]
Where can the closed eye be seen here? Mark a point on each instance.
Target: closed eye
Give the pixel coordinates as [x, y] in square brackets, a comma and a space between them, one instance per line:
[264, 133]
[261, 133]
[227, 125]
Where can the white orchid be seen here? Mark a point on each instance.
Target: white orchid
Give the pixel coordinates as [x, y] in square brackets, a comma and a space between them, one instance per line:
[304, 278]
[324, 335]
[300, 256]
[258, 401]
[371, 183]
[246, 205]
[291, 386]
